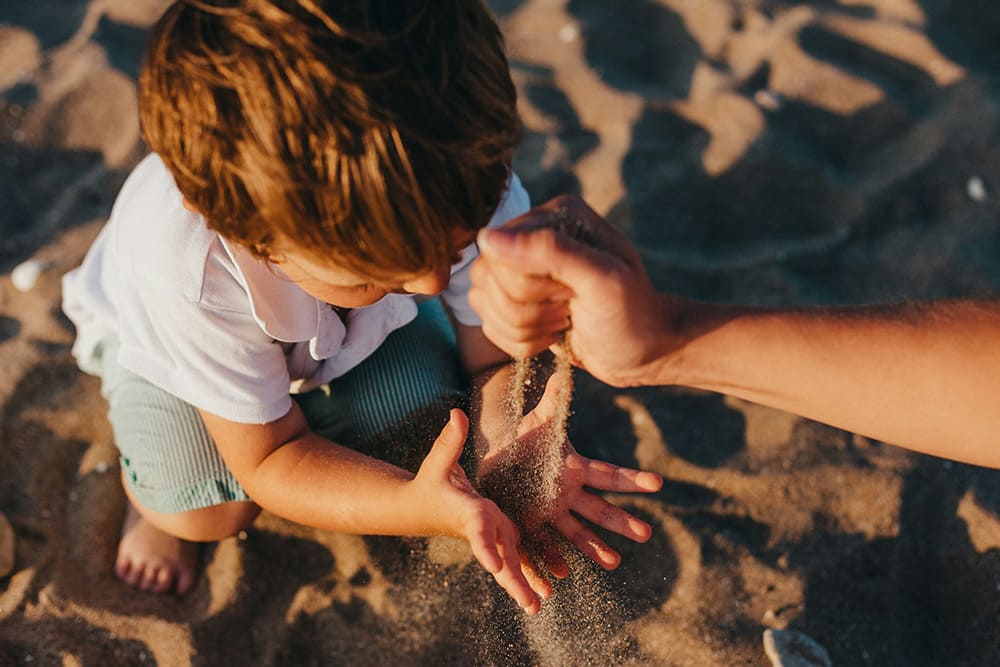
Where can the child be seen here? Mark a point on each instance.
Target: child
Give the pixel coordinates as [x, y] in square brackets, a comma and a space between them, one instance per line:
[319, 170]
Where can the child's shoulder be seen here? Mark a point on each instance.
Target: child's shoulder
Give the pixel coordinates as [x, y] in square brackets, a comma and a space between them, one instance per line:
[156, 239]
[515, 202]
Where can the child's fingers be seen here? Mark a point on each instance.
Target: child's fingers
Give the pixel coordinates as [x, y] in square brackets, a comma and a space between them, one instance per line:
[538, 581]
[555, 562]
[601, 513]
[494, 545]
[512, 580]
[587, 542]
[609, 477]
[548, 404]
[484, 548]
[448, 446]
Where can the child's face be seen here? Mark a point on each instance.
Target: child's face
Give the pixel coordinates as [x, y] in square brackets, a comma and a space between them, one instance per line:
[345, 289]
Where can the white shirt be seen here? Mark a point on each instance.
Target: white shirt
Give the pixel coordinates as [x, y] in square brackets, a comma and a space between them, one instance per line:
[211, 324]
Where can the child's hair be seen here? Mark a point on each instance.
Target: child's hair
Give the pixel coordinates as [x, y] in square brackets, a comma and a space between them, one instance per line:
[363, 131]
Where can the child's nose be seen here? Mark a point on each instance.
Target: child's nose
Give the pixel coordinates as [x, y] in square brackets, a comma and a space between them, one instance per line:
[431, 282]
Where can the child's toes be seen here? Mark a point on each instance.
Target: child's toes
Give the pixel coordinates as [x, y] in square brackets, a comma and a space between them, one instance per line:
[134, 576]
[185, 580]
[163, 580]
[148, 580]
[123, 566]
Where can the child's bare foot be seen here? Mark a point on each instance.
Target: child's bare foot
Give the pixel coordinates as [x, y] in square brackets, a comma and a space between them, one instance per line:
[152, 560]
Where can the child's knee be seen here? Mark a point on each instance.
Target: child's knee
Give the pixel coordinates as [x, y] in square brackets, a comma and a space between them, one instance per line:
[206, 524]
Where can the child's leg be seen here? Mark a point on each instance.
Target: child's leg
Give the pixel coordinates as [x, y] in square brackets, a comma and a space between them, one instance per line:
[395, 403]
[177, 485]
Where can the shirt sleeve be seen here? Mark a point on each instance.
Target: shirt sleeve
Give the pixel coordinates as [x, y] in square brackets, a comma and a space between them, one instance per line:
[514, 203]
[212, 355]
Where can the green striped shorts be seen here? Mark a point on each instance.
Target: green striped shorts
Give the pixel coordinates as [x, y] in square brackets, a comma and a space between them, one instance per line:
[391, 406]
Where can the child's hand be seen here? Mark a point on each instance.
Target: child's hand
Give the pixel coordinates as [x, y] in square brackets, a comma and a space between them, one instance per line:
[443, 488]
[564, 496]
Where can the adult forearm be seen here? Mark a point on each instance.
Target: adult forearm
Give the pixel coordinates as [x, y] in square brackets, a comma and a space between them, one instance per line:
[922, 376]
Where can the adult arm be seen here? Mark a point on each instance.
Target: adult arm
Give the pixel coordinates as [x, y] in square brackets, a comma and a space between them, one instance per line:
[925, 376]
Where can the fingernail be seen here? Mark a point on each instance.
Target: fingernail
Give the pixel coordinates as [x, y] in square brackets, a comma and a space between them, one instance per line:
[494, 240]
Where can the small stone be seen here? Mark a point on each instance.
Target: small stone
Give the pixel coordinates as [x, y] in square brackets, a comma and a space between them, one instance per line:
[25, 275]
[767, 99]
[569, 33]
[7, 552]
[976, 189]
[791, 648]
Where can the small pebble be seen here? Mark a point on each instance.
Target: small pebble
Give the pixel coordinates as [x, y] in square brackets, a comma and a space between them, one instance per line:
[767, 99]
[7, 552]
[790, 648]
[569, 33]
[25, 275]
[976, 189]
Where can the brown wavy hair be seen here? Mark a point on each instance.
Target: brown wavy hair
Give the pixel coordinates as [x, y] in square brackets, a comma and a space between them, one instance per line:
[363, 131]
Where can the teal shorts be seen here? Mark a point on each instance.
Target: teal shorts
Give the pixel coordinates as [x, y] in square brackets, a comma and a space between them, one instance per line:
[391, 406]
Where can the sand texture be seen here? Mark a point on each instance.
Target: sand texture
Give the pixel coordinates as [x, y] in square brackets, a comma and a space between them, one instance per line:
[767, 152]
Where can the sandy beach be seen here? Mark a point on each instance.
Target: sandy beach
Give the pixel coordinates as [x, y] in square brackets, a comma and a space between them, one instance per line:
[757, 151]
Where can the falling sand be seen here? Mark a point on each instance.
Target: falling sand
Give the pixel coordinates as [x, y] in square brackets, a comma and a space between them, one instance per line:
[525, 481]
[581, 622]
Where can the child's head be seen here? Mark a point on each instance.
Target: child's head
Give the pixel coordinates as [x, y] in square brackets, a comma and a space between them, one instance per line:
[370, 134]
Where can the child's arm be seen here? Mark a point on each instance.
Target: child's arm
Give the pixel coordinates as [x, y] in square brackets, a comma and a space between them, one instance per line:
[491, 370]
[294, 473]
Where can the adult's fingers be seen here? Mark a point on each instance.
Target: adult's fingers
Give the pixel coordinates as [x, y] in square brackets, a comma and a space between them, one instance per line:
[520, 320]
[516, 284]
[545, 252]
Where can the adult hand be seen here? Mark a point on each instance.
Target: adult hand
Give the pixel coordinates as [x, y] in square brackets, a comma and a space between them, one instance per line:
[533, 284]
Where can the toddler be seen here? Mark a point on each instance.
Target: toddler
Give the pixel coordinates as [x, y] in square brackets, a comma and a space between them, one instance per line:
[277, 307]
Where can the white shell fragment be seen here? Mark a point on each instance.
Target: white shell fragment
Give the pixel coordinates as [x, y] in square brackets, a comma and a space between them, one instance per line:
[25, 275]
[767, 100]
[976, 189]
[790, 648]
[569, 33]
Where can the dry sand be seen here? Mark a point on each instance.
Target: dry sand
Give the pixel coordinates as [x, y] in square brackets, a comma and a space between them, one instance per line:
[834, 151]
